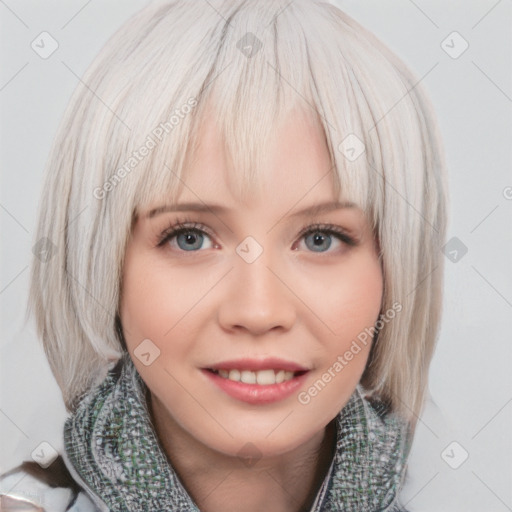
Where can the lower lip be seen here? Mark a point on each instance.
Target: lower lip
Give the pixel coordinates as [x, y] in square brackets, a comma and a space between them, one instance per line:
[256, 393]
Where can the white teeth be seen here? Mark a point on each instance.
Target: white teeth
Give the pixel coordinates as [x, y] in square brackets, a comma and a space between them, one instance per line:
[262, 377]
[248, 377]
[234, 375]
[265, 377]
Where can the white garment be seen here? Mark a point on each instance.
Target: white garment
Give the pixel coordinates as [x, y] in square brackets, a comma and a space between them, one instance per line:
[22, 486]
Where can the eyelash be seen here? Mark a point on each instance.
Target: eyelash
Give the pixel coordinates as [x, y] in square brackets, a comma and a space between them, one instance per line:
[186, 225]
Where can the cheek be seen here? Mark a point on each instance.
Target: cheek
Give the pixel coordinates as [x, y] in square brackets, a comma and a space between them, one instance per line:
[162, 304]
[149, 308]
[353, 299]
[153, 307]
[352, 306]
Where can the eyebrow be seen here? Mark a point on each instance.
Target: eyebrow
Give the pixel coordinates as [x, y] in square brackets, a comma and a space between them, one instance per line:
[309, 211]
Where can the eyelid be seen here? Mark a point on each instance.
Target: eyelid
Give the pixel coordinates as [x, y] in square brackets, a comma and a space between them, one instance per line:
[186, 223]
[342, 233]
[182, 224]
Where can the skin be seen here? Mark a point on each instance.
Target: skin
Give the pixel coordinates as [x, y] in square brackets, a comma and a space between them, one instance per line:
[206, 305]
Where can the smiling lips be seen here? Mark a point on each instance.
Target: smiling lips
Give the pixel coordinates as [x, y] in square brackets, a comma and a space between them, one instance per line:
[257, 381]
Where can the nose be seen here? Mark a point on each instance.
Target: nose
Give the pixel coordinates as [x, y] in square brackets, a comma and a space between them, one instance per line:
[257, 298]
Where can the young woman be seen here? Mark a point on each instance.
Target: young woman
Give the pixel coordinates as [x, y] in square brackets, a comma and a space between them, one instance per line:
[244, 210]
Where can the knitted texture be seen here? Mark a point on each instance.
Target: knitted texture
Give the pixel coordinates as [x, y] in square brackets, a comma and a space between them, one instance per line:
[114, 449]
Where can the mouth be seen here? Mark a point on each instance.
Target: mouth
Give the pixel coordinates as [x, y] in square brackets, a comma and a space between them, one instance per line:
[257, 381]
[265, 377]
[257, 386]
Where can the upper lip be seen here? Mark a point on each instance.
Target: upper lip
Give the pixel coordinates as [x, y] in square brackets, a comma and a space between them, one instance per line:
[269, 363]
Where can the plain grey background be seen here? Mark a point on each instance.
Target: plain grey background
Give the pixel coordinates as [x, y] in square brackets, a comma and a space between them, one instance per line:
[470, 378]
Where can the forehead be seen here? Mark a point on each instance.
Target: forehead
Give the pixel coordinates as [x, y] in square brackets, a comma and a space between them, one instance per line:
[295, 159]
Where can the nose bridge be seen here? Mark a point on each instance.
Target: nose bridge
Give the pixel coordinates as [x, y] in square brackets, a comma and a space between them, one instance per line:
[253, 268]
[257, 299]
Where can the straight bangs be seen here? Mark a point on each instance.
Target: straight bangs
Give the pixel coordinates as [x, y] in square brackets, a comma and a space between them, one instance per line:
[249, 68]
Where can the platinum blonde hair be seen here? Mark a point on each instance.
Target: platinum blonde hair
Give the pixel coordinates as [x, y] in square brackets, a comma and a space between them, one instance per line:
[251, 62]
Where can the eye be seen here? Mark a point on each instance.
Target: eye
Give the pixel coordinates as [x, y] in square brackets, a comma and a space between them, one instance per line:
[319, 237]
[188, 237]
[191, 237]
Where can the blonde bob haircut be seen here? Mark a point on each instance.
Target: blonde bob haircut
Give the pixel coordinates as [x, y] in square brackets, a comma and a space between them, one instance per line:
[252, 63]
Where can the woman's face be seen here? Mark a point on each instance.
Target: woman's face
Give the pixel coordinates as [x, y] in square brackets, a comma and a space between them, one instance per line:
[247, 284]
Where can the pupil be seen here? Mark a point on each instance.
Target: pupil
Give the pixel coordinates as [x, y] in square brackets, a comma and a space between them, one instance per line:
[320, 241]
[189, 240]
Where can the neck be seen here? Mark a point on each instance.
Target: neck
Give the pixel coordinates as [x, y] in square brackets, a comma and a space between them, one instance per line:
[218, 482]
